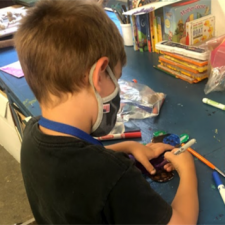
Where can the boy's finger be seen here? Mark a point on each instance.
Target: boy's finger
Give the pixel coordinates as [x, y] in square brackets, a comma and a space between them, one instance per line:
[162, 148]
[169, 156]
[148, 166]
[168, 167]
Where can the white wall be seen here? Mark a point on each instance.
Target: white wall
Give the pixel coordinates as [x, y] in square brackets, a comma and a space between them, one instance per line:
[218, 9]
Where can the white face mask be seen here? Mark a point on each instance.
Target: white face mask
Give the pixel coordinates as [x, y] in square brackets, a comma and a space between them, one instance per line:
[108, 107]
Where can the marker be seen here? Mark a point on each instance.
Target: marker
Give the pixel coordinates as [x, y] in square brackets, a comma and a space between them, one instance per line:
[185, 146]
[204, 160]
[219, 185]
[213, 103]
[120, 136]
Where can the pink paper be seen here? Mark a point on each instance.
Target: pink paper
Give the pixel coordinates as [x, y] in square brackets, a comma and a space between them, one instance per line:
[13, 69]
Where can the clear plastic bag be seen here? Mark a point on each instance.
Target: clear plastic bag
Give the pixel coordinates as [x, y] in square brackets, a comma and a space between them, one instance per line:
[216, 81]
[138, 101]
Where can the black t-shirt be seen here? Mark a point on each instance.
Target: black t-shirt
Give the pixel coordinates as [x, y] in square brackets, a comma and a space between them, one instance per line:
[70, 181]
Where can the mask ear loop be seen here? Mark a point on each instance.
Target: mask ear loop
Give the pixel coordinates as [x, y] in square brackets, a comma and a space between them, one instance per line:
[99, 100]
[117, 89]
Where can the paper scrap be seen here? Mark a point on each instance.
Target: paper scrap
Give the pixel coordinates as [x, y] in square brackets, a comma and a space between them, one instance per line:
[13, 69]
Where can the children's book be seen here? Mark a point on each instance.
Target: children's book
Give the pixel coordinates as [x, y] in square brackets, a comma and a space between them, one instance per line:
[134, 32]
[200, 30]
[142, 23]
[151, 19]
[148, 33]
[159, 28]
[155, 30]
[186, 59]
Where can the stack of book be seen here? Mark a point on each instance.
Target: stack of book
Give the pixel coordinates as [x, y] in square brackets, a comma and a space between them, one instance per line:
[184, 62]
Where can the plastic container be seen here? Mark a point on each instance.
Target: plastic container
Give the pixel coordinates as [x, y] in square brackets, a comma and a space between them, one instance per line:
[187, 51]
[127, 34]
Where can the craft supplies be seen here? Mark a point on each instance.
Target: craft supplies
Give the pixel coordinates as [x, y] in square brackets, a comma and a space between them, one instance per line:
[179, 151]
[186, 59]
[219, 185]
[176, 74]
[120, 136]
[204, 160]
[213, 103]
[184, 138]
[185, 146]
[13, 69]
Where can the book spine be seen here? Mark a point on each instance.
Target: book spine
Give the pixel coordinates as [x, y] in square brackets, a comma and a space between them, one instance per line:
[143, 31]
[152, 31]
[134, 32]
[139, 36]
[159, 23]
[148, 32]
[188, 33]
[155, 31]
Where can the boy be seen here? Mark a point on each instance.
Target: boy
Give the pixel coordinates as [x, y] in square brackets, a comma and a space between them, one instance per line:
[72, 56]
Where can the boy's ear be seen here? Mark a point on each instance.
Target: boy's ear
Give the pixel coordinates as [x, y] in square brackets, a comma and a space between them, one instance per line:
[99, 73]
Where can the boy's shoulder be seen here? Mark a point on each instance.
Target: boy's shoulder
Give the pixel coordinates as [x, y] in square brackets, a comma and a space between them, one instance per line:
[94, 154]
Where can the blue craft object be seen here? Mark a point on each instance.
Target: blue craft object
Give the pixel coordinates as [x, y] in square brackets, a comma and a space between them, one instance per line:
[172, 139]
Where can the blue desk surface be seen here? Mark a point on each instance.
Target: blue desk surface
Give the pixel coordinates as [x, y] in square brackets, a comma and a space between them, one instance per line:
[182, 112]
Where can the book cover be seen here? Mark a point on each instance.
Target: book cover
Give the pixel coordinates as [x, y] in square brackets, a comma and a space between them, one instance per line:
[200, 30]
[141, 22]
[134, 32]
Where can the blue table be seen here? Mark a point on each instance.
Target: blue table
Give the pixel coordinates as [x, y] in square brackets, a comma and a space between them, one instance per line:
[182, 112]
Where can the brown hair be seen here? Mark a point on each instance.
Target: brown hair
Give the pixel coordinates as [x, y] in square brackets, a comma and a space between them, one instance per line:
[58, 42]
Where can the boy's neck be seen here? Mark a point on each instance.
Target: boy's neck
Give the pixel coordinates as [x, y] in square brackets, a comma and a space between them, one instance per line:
[78, 111]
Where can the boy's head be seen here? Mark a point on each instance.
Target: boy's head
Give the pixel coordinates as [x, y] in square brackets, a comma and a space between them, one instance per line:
[60, 40]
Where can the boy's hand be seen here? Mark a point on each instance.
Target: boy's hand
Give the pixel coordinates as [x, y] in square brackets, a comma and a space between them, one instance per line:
[152, 150]
[183, 162]
[143, 153]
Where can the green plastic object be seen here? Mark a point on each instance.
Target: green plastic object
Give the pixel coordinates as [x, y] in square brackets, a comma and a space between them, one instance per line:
[184, 138]
[159, 133]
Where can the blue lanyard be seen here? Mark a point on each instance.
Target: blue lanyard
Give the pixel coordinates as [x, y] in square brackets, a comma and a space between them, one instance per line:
[67, 129]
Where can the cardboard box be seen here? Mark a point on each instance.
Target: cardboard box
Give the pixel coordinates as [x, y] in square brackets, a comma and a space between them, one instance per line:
[177, 15]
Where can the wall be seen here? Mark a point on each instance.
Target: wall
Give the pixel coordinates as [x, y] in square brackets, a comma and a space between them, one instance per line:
[218, 9]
